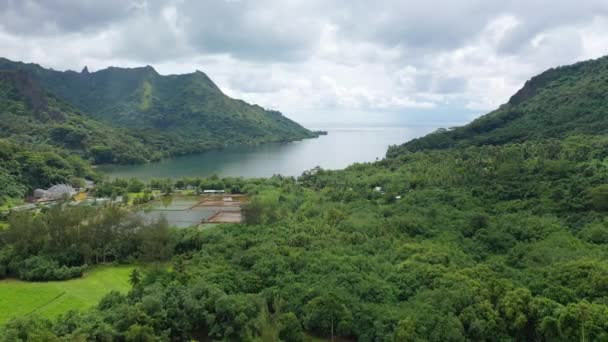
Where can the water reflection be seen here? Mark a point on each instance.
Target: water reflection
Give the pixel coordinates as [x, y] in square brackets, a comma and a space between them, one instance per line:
[338, 149]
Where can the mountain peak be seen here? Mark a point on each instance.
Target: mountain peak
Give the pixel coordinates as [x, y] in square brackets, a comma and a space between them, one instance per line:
[188, 109]
[85, 70]
[150, 68]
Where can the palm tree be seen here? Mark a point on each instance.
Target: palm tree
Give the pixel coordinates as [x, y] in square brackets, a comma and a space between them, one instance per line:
[135, 277]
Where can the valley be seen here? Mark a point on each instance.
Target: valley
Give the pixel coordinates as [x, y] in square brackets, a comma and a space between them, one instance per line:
[492, 231]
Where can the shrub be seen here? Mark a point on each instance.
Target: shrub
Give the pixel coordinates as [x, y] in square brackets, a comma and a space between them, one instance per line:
[40, 268]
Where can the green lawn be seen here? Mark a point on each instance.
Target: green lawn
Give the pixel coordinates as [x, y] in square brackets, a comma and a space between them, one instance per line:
[49, 299]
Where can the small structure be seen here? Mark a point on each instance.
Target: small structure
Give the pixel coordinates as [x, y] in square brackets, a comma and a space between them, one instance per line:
[213, 191]
[54, 193]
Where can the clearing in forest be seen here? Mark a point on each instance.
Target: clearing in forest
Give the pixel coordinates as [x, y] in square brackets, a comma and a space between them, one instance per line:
[50, 299]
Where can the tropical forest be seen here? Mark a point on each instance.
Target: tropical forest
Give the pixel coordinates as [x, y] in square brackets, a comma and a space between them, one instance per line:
[494, 230]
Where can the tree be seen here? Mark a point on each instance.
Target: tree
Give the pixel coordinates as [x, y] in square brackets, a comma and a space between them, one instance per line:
[28, 329]
[253, 212]
[599, 197]
[134, 277]
[327, 315]
[166, 186]
[135, 185]
[139, 333]
[595, 233]
[155, 242]
[290, 329]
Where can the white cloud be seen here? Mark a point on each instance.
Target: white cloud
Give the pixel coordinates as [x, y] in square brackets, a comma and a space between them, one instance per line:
[319, 56]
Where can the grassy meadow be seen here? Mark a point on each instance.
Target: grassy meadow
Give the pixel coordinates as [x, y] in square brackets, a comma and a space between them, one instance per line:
[50, 299]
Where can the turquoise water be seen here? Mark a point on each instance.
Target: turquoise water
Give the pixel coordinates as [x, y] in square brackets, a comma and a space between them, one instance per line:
[340, 148]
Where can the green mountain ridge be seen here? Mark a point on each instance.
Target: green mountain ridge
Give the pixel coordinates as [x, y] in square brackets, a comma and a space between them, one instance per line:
[31, 116]
[173, 115]
[559, 102]
[45, 141]
[54, 125]
[494, 231]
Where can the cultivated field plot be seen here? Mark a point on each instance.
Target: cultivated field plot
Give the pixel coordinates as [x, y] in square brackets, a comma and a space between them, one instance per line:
[181, 219]
[192, 211]
[50, 299]
[227, 208]
[226, 217]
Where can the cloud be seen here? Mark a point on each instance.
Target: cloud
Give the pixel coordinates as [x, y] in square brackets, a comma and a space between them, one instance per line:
[258, 30]
[316, 55]
[48, 17]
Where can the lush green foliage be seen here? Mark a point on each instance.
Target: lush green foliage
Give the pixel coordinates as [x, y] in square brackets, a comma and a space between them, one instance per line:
[170, 115]
[559, 102]
[27, 167]
[485, 243]
[490, 241]
[59, 244]
[122, 116]
[30, 116]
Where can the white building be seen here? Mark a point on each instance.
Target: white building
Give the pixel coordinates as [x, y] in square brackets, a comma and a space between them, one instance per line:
[54, 193]
[213, 191]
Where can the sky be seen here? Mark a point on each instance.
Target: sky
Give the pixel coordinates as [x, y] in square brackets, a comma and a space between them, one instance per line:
[321, 61]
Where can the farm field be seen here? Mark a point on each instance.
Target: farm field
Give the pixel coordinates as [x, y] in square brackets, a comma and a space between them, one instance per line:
[192, 211]
[50, 299]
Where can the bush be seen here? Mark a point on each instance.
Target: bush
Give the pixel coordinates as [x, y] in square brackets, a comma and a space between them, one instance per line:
[290, 328]
[40, 268]
[595, 233]
[599, 197]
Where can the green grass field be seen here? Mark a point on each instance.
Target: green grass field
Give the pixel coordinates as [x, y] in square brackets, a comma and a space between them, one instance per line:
[49, 299]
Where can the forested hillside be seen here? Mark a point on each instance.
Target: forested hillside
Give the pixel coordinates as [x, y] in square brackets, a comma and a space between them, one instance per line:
[44, 141]
[31, 116]
[116, 115]
[504, 242]
[173, 114]
[24, 168]
[484, 244]
[559, 102]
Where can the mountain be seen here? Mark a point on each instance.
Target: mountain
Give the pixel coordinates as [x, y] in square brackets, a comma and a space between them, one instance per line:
[175, 114]
[560, 102]
[54, 125]
[507, 241]
[45, 141]
[33, 117]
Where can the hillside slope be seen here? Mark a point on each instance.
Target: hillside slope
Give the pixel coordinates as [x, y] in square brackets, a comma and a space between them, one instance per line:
[45, 141]
[30, 116]
[559, 102]
[175, 114]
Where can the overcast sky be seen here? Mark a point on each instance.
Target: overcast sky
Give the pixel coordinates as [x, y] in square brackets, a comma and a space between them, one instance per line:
[319, 60]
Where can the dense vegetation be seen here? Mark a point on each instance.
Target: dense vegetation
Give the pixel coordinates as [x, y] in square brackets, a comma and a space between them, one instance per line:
[559, 102]
[61, 242]
[44, 141]
[170, 115]
[31, 116]
[485, 243]
[115, 116]
[477, 239]
[26, 167]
